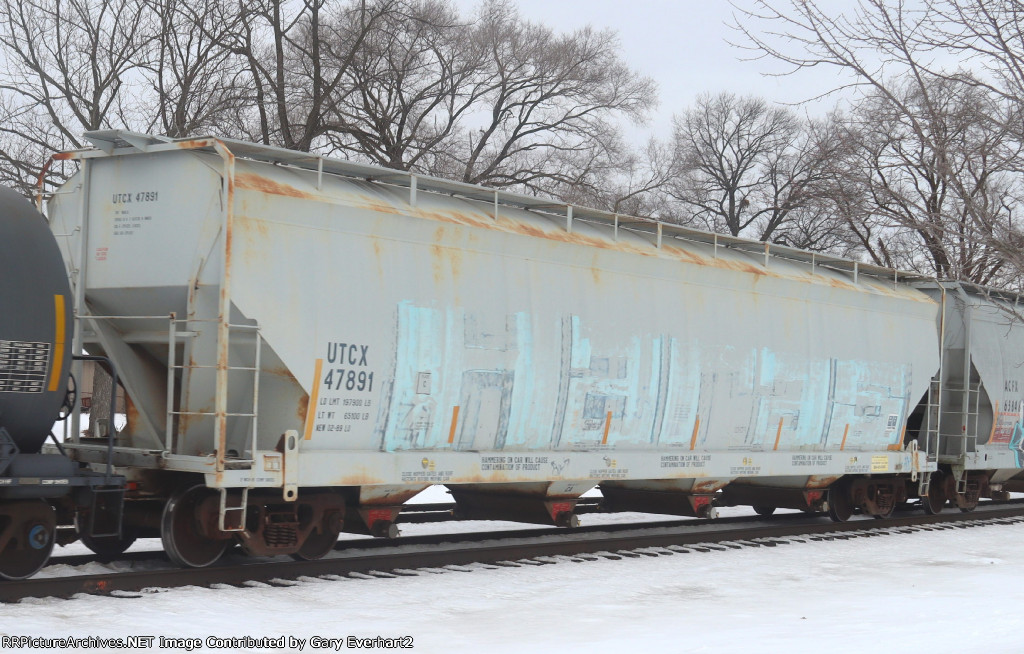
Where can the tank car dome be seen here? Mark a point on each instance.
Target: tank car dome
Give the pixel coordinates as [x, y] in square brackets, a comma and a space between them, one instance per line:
[35, 323]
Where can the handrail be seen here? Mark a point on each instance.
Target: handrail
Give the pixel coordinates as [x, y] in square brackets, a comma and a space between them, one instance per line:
[219, 413]
[124, 142]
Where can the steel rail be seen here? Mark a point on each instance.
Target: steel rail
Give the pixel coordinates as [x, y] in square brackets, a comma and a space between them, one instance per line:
[506, 548]
[368, 543]
[347, 544]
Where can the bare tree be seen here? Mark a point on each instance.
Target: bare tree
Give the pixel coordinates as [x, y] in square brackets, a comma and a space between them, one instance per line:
[988, 35]
[296, 56]
[818, 227]
[955, 190]
[745, 167]
[548, 118]
[65, 69]
[412, 81]
[631, 184]
[404, 83]
[197, 83]
[910, 58]
[859, 230]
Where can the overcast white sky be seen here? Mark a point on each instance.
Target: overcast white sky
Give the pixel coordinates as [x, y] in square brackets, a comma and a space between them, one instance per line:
[683, 45]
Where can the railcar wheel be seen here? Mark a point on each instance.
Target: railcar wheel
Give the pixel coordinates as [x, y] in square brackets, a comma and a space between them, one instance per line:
[32, 531]
[840, 508]
[761, 509]
[936, 499]
[317, 545]
[181, 533]
[970, 507]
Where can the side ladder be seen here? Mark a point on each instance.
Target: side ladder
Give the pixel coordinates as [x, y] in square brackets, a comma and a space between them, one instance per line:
[930, 431]
[232, 514]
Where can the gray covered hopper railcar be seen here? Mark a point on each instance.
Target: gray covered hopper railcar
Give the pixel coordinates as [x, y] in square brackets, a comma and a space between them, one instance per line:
[345, 336]
[978, 420]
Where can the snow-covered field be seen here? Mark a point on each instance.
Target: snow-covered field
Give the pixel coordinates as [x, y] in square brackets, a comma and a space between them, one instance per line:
[956, 590]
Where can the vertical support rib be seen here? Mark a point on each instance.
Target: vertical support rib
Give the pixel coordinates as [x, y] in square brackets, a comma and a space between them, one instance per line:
[78, 279]
[224, 309]
[942, 363]
[256, 395]
[965, 402]
[172, 338]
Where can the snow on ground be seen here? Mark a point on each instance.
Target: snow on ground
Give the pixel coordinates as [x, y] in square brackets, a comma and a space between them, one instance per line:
[952, 590]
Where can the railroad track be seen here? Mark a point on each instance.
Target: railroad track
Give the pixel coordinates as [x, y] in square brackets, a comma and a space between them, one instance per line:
[411, 514]
[404, 556]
